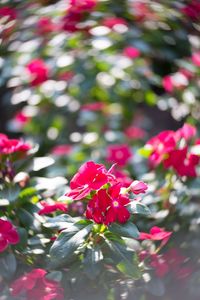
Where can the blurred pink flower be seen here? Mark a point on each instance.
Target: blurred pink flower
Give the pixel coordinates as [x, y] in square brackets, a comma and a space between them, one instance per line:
[119, 153]
[61, 150]
[133, 132]
[156, 234]
[38, 71]
[131, 52]
[111, 22]
[9, 146]
[45, 25]
[34, 285]
[196, 59]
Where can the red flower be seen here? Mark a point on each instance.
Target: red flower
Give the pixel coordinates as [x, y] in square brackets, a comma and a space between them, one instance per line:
[196, 59]
[90, 177]
[108, 206]
[50, 208]
[131, 52]
[35, 286]
[192, 10]
[61, 150]
[38, 71]
[138, 187]
[119, 154]
[8, 235]
[156, 234]
[133, 132]
[9, 146]
[111, 22]
[161, 145]
[183, 162]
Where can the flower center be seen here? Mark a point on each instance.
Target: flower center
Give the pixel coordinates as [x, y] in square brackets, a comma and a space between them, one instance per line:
[115, 203]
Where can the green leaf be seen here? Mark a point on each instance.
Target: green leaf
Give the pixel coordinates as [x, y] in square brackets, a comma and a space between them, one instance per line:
[8, 265]
[92, 262]
[68, 241]
[127, 230]
[138, 208]
[11, 194]
[126, 260]
[60, 222]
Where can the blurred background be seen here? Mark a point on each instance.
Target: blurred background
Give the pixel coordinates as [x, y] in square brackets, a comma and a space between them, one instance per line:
[81, 79]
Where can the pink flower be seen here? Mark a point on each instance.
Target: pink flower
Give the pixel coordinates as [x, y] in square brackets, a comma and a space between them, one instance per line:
[34, 286]
[108, 206]
[95, 106]
[9, 146]
[21, 118]
[90, 176]
[61, 150]
[133, 132]
[156, 234]
[138, 187]
[131, 52]
[122, 177]
[45, 26]
[8, 235]
[111, 22]
[119, 154]
[160, 146]
[196, 59]
[51, 208]
[187, 132]
[38, 71]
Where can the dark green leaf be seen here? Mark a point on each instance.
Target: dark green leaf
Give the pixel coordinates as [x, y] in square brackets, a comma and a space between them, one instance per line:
[92, 261]
[127, 230]
[138, 208]
[126, 260]
[68, 241]
[60, 222]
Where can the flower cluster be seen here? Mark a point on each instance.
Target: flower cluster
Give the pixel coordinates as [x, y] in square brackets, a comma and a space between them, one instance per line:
[107, 196]
[172, 150]
[8, 235]
[34, 285]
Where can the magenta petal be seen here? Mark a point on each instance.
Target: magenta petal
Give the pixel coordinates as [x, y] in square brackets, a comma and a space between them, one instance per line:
[5, 226]
[12, 236]
[3, 245]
